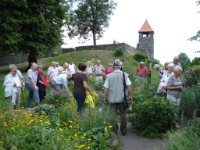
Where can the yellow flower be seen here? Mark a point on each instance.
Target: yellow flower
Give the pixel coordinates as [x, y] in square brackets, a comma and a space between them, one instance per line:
[110, 126]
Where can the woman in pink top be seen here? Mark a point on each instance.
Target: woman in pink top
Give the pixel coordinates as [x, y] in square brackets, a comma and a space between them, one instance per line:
[109, 69]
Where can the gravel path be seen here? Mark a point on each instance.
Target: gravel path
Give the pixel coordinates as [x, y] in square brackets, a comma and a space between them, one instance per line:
[132, 141]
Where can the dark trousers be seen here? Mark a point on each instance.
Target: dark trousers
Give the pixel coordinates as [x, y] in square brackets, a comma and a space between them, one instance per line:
[80, 99]
[120, 109]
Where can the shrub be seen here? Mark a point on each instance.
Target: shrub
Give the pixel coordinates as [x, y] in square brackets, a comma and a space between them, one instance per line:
[196, 61]
[188, 102]
[153, 117]
[155, 61]
[140, 57]
[46, 109]
[184, 60]
[192, 76]
[118, 52]
[186, 139]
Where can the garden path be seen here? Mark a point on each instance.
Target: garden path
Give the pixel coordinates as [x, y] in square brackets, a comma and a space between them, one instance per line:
[132, 141]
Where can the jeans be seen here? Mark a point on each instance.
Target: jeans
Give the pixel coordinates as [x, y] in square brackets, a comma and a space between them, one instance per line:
[80, 99]
[33, 94]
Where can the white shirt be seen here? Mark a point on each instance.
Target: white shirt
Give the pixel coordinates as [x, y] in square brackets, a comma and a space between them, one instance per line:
[31, 74]
[165, 78]
[11, 83]
[99, 69]
[89, 70]
[61, 79]
[52, 72]
[71, 69]
[19, 74]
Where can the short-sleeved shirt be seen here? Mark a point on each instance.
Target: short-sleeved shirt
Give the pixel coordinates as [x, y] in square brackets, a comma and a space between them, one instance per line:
[31, 74]
[99, 70]
[142, 71]
[78, 79]
[174, 82]
[19, 74]
[61, 79]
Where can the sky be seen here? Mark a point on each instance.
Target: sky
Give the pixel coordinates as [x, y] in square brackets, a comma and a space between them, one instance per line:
[173, 22]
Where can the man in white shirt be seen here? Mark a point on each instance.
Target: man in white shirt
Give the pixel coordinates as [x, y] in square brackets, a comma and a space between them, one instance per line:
[52, 71]
[31, 85]
[59, 84]
[99, 71]
[13, 86]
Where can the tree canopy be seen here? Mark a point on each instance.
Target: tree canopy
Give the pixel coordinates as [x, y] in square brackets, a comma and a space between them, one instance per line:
[31, 25]
[90, 17]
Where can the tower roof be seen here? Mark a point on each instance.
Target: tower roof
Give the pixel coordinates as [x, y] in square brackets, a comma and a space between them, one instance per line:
[146, 27]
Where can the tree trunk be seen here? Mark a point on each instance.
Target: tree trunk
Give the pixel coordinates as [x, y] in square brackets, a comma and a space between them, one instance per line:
[94, 37]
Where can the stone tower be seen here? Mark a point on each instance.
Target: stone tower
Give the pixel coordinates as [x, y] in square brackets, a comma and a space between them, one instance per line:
[146, 39]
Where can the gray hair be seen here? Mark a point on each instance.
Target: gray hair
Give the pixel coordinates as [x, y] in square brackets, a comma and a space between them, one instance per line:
[177, 68]
[12, 66]
[39, 66]
[170, 65]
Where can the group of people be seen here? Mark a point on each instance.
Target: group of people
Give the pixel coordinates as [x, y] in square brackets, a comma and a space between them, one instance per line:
[117, 85]
[57, 78]
[169, 79]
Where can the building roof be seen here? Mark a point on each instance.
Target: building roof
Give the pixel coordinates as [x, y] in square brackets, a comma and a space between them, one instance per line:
[146, 27]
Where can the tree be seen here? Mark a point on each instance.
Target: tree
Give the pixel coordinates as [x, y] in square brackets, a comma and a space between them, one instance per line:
[90, 17]
[197, 36]
[31, 26]
[184, 60]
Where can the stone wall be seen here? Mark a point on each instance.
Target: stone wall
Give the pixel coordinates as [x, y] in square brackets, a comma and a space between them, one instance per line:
[110, 47]
[7, 59]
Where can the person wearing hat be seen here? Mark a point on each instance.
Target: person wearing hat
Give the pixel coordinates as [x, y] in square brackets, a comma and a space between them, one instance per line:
[114, 93]
[142, 71]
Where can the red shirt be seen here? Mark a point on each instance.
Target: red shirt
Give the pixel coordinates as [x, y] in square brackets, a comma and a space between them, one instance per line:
[142, 71]
[108, 70]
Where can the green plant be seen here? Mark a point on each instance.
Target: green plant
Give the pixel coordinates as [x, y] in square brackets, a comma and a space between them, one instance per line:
[185, 139]
[153, 117]
[46, 109]
[184, 60]
[118, 52]
[188, 102]
[196, 61]
[140, 57]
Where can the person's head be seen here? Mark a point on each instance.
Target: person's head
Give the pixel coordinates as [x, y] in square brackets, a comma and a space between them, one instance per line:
[156, 66]
[82, 66]
[141, 64]
[39, 68]
[98, 62]
[89, 63]
[53, 64]
[110, 65]
[170, 67]
[117, 64]
[176, 60]
[13, 69]
[166, 65]
[34, 66]
[56, 64]
[177, 71]
[65, 66]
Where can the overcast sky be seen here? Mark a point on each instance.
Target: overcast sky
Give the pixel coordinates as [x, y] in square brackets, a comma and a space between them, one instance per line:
[173, 21]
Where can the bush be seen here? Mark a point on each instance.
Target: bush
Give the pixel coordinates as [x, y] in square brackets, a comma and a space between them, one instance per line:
[196, 61]
[140, 57]
[186, 139]
[184, 60]
[153, 117]
[155, 61]
[188, 102]
[46, 109]
[192, 76]
[118, 52]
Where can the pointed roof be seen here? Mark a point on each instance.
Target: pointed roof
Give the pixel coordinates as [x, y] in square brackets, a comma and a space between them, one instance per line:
[146, 27]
